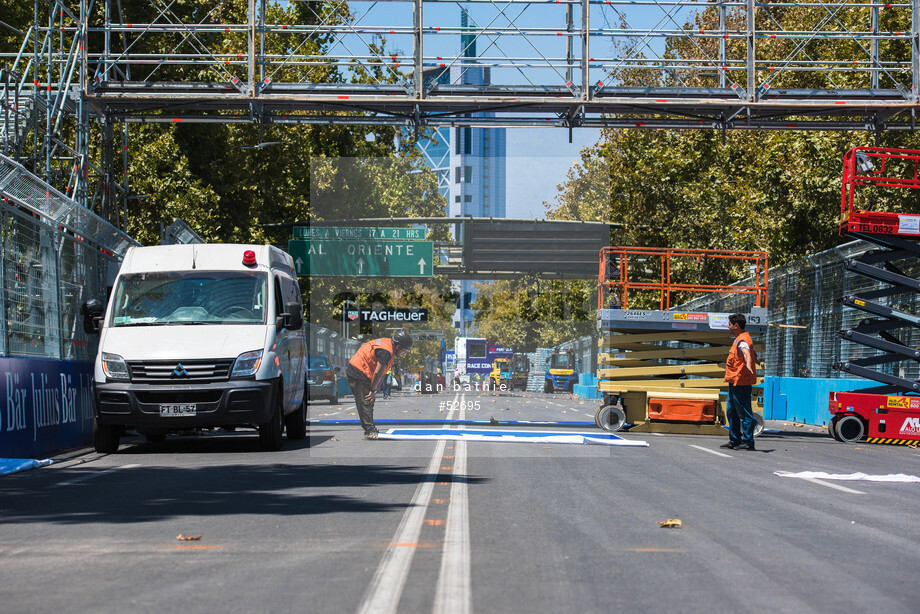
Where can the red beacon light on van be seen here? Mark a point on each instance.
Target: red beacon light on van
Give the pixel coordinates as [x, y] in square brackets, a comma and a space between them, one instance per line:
[249, 258]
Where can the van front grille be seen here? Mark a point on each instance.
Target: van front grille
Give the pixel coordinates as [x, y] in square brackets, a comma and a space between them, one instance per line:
[179, 371]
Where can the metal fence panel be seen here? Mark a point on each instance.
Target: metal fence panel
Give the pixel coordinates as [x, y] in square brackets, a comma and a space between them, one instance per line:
[55, 255]
[47, 274]
[806, 314]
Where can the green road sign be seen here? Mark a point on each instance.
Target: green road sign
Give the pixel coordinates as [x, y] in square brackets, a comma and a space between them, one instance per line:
[362, 258]
[339, 232]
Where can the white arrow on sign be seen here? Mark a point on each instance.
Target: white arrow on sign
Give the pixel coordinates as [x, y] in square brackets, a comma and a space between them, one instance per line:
[299, 263]
[421, 266]
[360, 265]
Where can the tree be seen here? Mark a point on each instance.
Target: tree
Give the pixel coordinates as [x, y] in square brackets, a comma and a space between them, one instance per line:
[770, 191]
[529, 313]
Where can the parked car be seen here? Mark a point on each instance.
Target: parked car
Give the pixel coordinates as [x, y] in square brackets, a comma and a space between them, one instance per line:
[321, 380]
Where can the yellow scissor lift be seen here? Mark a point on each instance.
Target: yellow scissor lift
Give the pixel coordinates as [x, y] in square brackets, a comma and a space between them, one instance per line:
[661, 370]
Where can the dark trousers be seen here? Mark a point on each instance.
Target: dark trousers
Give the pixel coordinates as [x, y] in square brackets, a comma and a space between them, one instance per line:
[740, 415]
[361, 388]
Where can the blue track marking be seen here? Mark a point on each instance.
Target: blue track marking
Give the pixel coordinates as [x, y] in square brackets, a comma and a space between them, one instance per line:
[470, 422]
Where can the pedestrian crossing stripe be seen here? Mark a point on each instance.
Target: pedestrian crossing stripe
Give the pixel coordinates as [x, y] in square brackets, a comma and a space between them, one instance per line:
[898, 442]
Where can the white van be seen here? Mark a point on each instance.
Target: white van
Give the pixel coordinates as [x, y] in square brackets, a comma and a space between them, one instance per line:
[200, 336]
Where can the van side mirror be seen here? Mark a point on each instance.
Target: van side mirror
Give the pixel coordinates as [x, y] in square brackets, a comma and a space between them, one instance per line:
[292, 318]
[92, 312]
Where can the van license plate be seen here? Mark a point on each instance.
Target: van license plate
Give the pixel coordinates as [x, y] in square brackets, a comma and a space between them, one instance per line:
[187, 409]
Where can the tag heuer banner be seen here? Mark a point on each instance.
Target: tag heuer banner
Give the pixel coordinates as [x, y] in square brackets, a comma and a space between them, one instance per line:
[394, 314]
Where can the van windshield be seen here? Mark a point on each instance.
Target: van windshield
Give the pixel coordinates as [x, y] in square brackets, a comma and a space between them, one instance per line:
[190, 297]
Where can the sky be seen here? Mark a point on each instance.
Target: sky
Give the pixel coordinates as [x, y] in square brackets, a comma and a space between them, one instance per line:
[538, 160]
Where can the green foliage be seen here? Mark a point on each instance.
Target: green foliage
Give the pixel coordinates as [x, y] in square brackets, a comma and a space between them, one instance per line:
[776, 191]
[329, 295]
[526, 313]
[18, 16]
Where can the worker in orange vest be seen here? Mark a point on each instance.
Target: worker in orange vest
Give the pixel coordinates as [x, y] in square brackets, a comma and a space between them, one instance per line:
[741, 375]
[365, 372]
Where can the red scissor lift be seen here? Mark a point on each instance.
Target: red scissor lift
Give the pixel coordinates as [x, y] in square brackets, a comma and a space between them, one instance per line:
[889, 412]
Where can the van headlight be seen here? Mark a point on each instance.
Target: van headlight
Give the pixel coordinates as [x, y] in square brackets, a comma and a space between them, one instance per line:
[114, 366]
[247, 364]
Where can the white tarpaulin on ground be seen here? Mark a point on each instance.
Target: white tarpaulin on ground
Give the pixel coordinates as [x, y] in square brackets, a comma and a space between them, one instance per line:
[860, 477]
[511, 436]
[12, 465]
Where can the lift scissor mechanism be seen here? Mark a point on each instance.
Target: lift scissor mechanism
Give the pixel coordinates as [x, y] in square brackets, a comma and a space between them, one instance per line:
[889, 412]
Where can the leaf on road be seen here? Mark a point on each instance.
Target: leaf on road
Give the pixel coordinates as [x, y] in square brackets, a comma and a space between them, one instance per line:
[184, 538]
[670, 523]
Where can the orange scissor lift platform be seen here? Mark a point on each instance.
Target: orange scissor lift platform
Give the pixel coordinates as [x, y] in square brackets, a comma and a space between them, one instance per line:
[890, 411]
[662, 370]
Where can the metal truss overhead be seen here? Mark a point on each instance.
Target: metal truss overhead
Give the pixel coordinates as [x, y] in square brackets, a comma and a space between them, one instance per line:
[601, 63]
[88, 68]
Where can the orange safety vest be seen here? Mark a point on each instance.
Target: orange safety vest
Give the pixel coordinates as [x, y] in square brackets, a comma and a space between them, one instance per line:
[735, 371]
[364, 359]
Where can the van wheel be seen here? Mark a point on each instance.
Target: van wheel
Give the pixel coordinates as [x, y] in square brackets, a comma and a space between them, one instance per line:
[106, 437]
[296, 422]
[270, 432]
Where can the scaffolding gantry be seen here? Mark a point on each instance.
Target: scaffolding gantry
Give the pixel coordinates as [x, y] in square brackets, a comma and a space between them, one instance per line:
[86, 69]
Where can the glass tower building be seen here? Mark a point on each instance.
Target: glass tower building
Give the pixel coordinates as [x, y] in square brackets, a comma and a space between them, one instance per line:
[470, 162]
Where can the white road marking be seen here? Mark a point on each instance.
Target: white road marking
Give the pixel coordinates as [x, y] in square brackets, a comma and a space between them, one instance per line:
[453, 593]
[90, 476]
[832, 485]
[710, 451]
[383, 593]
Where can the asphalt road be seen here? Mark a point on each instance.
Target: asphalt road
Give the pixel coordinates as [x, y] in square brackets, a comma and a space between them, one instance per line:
[339, 524]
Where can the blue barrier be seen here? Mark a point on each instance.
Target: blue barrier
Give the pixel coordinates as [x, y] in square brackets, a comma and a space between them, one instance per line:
[47, 406]
[804, 399]
[797, 399]
[341, 385]
[586, 387]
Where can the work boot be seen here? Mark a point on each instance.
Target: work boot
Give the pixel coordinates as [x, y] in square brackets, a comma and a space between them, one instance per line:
[728, 445]
[370, 435]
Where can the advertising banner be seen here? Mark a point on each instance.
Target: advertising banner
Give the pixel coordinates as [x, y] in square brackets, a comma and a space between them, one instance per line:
[395, 314]
[47, 406]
